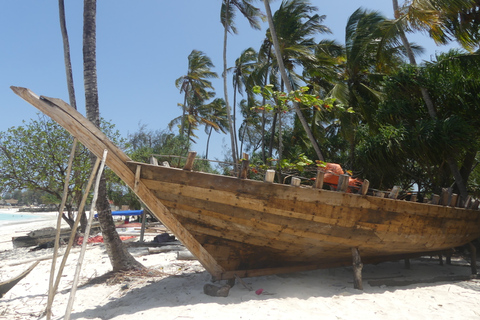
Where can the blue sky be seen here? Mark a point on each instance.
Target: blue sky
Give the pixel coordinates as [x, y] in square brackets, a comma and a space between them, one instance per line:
[142, 47]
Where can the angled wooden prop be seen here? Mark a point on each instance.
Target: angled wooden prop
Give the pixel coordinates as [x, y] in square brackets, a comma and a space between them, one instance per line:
[9, 284]
[92, 138]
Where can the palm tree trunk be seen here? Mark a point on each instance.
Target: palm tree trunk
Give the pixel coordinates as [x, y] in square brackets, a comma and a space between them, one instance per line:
[462, 188]
[229, 112]
[120, 258]
[208, 142]
[281, 67]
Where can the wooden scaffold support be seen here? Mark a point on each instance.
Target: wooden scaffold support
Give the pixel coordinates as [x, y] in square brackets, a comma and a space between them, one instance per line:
[357, 269]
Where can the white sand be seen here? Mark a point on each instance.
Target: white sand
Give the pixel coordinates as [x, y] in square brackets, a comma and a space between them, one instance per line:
[321, 294]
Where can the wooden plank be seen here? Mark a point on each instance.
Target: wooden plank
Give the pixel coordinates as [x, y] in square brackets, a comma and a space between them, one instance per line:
[453, 200]
[137, 178]
[319, 179]
[295, 182]
[343, 183]
[394, 192]
[190, 160]
[269, 176]
[243, 174]
[153, 161]
[92, 138]
[435, 199]
[364, 189]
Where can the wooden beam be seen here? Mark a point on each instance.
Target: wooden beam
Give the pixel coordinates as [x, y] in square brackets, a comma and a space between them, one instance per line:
[96, 141]
[319, 179]
[190, 160]
[295, 181]
[473, 258]
[343, 183]
[269, 175]
[153, 161]
[357, 269]
[243, 174]
[137, 178]
[394, 192]
[364, 189]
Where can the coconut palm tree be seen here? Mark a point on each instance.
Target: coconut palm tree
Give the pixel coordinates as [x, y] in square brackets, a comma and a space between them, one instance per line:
[120, 258]
[197, 89]
[215, 119]
[245, 64]
[227, 17]
[442, 19]
[284, 76]
[195, 84]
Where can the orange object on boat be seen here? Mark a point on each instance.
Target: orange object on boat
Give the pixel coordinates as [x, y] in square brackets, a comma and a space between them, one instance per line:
[332, 173]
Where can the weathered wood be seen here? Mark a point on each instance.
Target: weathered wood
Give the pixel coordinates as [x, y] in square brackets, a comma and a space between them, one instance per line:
[269, 176]
[250, 228]
[163, 249]
[190, 160]
[379, 194]
[343, 182]
[243, 174]
[407, 264]
[185, 255]
[413, 197]
[295, 182]
[5, 286]
[153, 161]
[453, 200]
[166, 164]
[319, 179]
[92, 138]
[364, 189]
[445, 196]
[435, 199]
[394, 192]
[357, 269]
[137, 178]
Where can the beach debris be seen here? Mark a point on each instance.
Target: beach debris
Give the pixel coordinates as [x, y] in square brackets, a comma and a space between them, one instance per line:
[216, 291]
[259, 292]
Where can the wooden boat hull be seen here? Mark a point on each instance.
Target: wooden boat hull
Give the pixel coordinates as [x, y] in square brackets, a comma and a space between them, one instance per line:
[240, 227]
[253, 227]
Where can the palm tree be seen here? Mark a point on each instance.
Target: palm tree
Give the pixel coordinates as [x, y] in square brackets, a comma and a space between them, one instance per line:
[120, 258]
[215, 119]
[195, 85]
[227, 16]
[244, 66]
[442, 18]
[285, 78]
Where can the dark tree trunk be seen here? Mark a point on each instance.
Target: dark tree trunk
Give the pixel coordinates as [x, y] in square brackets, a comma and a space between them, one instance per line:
[120, 258]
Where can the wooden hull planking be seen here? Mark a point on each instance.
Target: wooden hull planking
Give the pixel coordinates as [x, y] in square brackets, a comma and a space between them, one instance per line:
[240, 227]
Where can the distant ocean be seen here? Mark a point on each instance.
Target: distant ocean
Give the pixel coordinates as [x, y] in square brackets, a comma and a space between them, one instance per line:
[6, 217]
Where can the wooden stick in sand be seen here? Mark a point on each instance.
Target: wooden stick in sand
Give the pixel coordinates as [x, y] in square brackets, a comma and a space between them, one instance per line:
[84, 244]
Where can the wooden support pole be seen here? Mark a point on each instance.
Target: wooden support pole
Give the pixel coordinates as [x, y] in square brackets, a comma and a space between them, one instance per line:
[343, 182]
[407, 264]
[144, 222]
[319, 179]
[295, 182]
[413, 198]
[357, 269]
[435, 199]
[190, 160]
[78, 269]
[394, 193]
[51, 292]
[153, 161]
[364, 189]
[445, 196]
[269, 175]
[454, 200]
[473, 258]
[137, 178]
[243, 174]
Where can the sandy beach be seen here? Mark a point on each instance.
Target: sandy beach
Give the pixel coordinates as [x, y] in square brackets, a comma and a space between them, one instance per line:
[174, 289]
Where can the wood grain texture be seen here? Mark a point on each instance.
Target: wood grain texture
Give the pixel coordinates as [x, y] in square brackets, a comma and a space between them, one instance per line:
[241, 227]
